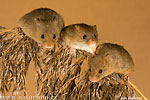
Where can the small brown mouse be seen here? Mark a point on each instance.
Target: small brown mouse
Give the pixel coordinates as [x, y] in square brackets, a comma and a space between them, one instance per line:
[80, 36]
[110, 58]
[42, 25]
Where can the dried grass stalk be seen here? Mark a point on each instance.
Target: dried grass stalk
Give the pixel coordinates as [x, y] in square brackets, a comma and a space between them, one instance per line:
[57, 76]
[15, 57]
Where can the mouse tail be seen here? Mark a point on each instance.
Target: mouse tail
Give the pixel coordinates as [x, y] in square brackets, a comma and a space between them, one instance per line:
[139, 92]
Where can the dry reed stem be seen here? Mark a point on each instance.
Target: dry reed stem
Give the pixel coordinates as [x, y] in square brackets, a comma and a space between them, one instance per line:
[56, 73]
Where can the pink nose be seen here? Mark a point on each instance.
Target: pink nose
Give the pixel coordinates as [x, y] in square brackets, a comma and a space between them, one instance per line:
[48, 45]
[92, 43]
[93, 79]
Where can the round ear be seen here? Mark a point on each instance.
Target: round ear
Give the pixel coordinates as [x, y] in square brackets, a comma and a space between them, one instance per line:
[59, 22]
[98, 49]
[55, 20]
[95, 27]
[77, 27]
[109, 58]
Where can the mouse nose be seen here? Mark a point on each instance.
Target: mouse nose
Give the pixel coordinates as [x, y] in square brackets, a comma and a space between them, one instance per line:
[92, 43]
[49, 45]
[93, 79]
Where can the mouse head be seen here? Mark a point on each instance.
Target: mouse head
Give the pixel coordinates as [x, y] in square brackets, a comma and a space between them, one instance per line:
[82, 36]
[99, 66]
[48, 30]
[43, 25]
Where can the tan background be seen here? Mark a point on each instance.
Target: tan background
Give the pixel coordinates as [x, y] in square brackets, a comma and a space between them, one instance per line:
[126, 22]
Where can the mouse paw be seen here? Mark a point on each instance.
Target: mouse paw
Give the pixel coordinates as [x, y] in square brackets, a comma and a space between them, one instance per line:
[127, 77]
[59, 41]
[73, 52]
[40, 45]
[18, 29]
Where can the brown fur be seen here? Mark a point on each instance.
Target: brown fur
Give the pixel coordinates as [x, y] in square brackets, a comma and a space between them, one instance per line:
[74, 33]
[42, 21]
[111, 58]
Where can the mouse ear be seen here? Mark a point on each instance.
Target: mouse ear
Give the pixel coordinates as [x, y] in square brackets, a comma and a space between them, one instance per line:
[77, 27]
[109, 58]
[56, 20]
[95, 26]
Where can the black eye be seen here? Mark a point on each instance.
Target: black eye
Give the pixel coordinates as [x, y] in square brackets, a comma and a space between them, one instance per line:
[89, 69]
[54, 36]
[38, 19]
[100, 71]
[95, 35]
[54, 18]
[84, 36]
[42, 36]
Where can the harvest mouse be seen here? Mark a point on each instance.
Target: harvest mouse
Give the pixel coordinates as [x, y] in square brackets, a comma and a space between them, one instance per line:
[80, 36]
[42, 25]
[110, 58]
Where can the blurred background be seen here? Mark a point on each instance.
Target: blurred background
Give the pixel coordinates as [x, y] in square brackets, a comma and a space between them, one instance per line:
[125, 22]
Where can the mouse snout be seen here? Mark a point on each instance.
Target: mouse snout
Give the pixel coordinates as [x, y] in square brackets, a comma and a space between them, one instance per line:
[92, 43]
[93, 78]
[49, 45]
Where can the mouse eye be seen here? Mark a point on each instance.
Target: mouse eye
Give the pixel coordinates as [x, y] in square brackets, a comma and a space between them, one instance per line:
[54, 36]
[42, 36]
[89, 69]
[95, 36]
[38, 19]
[84, 36]
[100, 71]
[54, 18]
